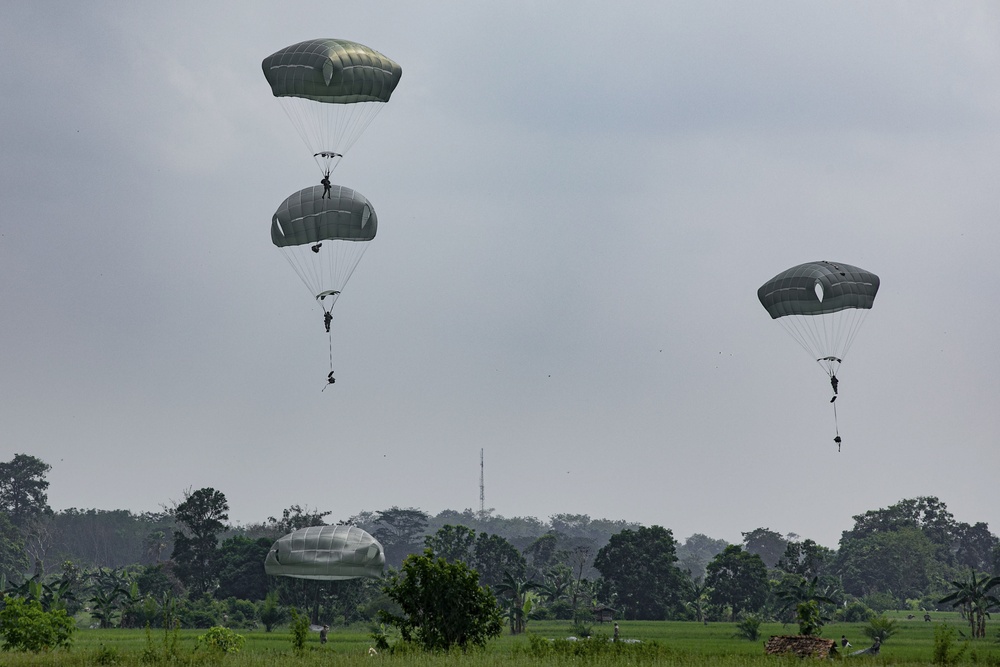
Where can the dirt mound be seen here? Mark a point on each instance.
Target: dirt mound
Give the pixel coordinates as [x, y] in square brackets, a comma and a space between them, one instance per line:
[800, 645]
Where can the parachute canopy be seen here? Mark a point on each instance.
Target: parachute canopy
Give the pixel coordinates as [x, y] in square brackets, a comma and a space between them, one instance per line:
[331, 90]
[335, 71]
[323, 239]
[326, 553]
[822, 306]
[815, 288]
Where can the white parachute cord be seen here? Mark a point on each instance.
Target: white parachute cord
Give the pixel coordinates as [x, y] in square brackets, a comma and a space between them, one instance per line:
[327, 317]
[330, 337]
[836, 427]
[326, 127]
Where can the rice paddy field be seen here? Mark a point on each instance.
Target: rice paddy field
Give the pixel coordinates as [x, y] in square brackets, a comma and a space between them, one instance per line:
[659, 643]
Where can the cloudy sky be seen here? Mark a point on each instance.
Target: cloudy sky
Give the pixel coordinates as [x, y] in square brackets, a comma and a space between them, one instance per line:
[577, 202]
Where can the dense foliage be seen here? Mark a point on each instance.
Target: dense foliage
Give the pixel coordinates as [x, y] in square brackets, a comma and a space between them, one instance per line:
[186, 565]
[641, 568]
[442, 604]
[25, 626]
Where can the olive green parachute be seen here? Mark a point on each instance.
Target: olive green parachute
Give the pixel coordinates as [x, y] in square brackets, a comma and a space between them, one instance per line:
[326, 553]
[323, 239]
[331, 90]
[331, 70]
[822, 305]
[815, 288]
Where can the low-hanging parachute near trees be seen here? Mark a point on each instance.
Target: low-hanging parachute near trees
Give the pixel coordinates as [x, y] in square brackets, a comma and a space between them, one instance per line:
[323, 238]
[326, 553]
[331, 90]
[822, 305]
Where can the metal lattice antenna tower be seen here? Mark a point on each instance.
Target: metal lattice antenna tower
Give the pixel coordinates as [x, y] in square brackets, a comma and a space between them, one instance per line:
[482, 486]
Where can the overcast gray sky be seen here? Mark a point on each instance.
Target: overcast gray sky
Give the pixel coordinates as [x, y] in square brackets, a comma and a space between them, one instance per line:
[577, 202]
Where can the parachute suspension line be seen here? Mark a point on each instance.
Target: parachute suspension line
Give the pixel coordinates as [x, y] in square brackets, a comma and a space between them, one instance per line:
[298, 113]
[329, 268]
[836, 427]
[345, 124]
[826, 338]
[330, 338]
[329, 127]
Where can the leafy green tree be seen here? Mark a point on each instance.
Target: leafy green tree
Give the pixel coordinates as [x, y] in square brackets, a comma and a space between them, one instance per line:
[442, 604]
[490, 555]
[453, 543]
[296, 517]
[973, 596]
[541, 554]
[974, 546]
[737, 579]
[159, 581]
[300, 631]
[107, 538]
[806, 559]
[153, 545]
[22, 489]
[13, 559]
[241, 568]
[202, 517]
[25, 626]
[400, 531]
[494, 557]
[926, 514]
[697, 551]
[270, 612]
[765, 543]
[902, 561]
[640, 565]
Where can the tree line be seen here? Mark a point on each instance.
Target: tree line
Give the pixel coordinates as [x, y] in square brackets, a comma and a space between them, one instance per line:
[189, 564]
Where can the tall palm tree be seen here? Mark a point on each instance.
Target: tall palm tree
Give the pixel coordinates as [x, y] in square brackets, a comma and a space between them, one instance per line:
[974, 597]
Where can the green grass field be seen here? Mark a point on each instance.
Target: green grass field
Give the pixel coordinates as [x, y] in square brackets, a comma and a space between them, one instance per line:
[662, 643]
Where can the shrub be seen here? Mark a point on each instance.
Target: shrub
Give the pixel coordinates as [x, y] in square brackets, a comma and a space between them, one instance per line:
[749, 628]
[300, 631]
[221, 640]
[881, 627]
[944, 639]
[25, 626]
[581, 629]
[443, 605]
[107, 656]
[169, 651]
[270, 612]
[810, 620]
[561, 610]
[240, 613]
[856, 612]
